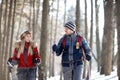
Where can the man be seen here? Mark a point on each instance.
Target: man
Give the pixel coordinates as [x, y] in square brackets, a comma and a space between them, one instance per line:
[72, 47]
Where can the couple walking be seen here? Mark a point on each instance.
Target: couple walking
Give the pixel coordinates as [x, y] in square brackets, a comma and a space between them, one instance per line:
[71, 46]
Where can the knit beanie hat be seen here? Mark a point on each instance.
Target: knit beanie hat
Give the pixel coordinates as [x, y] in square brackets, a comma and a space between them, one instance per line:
[70, 25]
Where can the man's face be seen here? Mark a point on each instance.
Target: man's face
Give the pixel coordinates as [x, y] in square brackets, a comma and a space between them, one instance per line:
[68, 31]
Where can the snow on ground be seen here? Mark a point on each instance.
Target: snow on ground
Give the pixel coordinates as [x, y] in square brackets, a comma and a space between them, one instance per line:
[95, 76]
[54, 78]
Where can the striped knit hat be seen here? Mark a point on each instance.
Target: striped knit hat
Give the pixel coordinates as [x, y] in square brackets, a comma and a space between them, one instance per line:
[70, 25]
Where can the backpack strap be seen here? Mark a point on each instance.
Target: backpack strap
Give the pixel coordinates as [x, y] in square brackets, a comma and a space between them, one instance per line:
[64, 42]
[80, 43]
[79, 39]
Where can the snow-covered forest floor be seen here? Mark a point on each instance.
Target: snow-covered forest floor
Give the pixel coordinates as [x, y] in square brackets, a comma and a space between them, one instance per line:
[95, 76]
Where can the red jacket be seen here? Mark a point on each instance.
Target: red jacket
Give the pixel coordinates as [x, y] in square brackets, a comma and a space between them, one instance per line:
[30, 57]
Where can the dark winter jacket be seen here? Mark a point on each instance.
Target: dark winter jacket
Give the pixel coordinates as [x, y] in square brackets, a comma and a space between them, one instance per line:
[71, 54]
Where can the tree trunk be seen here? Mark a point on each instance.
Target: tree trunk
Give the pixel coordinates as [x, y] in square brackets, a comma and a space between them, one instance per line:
[8, 38]
[37, 13]
[33, 25]
[4, 40]
[114, 31]
[118, 36]
[107, 43]
[21, 13]
[77, 21]
[97, 36]
[12, 28]
[86, 26]
[61, 73]
[91, 41]
[51, 41]
[43, 42]
[1, 9]
[30, 22]
[37, 17]
[91, 28]
[64, 12]
[55, 37]
[86, 36]
[113, 50]
[1, 24]
[50, 57]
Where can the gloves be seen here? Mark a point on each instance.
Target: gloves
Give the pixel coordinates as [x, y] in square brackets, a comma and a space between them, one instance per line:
[88, 57]
[9, 62]
[54, 47]
[36, 61]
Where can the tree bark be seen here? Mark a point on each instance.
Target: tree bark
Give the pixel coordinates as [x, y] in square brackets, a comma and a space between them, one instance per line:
[51, 40]
[51, 57]
[86, 26]
[4, 40]
[114, 37]
[30, 22]
[91, 28]
[37, 17]
[37, 13]
[12, 28]
[77, 21]
[1, 9]
[91, 41]
[21, 13]
[118, 36]
[1, 6]
[86, 36]
[33, 25]
[107, 43]
[55, 37]
[43, 42]
[8, 38]
[64, 12]
[97, 36]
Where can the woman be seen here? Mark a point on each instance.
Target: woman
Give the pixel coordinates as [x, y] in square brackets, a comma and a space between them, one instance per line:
[26, 57]
[71, 46]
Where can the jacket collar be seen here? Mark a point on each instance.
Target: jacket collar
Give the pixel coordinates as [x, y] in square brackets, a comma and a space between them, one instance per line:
[73, 35]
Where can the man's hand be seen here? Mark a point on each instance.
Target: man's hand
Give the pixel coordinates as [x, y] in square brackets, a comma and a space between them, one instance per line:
[54, 47]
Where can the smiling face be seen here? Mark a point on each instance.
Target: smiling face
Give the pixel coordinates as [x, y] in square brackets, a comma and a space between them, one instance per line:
[27, 37]
[68, 31]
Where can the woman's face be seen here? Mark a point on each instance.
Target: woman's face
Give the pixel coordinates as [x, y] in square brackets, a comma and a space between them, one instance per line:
[27, 37]
[68, 31]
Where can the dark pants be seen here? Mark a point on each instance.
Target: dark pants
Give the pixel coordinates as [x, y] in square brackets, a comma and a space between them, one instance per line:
[27, 74]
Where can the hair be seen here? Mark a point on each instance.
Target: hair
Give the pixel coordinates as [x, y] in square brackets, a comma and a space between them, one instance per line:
[24, 34]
